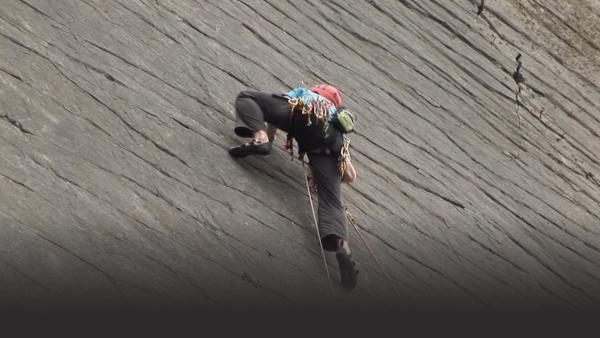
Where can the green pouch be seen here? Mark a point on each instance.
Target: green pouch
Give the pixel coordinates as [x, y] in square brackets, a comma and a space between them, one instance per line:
[345, 120]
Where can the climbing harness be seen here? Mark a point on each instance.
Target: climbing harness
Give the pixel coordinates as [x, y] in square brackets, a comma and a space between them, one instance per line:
[343, 158]
[317, 227]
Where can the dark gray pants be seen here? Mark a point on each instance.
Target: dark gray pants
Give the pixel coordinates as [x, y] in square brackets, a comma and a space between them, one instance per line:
[333, 224]
[253, 109]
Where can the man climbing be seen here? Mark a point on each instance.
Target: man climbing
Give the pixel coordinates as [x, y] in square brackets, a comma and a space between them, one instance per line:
[310, 116]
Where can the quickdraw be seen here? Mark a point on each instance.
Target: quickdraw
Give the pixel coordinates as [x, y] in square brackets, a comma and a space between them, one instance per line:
[320, 108]
[344, 157]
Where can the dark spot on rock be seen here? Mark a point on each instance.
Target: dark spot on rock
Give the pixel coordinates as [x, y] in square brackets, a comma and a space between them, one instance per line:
[518, 77]
[247, 278]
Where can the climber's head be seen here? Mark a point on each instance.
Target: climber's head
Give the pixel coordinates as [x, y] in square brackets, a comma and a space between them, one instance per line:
[329, 92]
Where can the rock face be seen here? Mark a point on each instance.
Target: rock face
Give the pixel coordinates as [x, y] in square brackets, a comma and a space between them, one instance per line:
[474, 190]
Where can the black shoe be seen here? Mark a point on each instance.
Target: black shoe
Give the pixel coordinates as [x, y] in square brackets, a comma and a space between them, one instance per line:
[251, 148]
[347, 271]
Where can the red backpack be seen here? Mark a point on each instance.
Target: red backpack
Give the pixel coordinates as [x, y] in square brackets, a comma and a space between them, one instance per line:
[329, 92]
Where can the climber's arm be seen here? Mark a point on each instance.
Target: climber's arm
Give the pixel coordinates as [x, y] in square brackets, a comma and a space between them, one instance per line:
[349, 173]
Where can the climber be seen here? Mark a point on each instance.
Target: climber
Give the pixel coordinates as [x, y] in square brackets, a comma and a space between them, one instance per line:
[308, 115]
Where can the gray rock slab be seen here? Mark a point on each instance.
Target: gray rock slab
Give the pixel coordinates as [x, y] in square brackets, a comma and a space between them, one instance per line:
[473, 191]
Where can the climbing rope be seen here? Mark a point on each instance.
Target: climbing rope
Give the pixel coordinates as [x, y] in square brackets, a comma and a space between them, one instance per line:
[352, 220]
[317, 227]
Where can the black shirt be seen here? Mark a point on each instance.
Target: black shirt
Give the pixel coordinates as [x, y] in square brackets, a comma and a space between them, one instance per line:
[316, 135]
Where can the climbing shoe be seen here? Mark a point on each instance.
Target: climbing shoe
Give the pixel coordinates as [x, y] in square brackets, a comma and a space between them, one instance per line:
[347, 270]
[251, 148]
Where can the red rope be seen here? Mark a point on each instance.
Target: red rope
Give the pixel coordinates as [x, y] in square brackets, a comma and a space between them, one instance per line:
[372, 254]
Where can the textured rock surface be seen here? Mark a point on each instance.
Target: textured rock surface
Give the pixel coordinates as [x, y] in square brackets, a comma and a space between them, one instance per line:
[116, 189]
